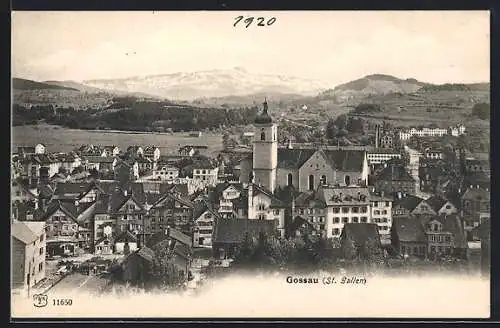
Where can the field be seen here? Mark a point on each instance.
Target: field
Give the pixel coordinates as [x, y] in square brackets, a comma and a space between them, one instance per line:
[58, 139]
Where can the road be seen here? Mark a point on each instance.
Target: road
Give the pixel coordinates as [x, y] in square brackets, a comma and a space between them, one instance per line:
[75, 283]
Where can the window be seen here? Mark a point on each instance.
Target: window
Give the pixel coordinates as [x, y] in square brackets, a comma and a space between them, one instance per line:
[363, 209]
[336, 220]
[311, 182]
[41, 251]
[347, 180]
[355, 219]
[276, 212]
[387, 204]
[384, 212]
[355, 209]
[290, 179]
[376, 212]
[345, 220]
[375, 204]
[345, 209]
[261, 217]
[364, 219]
[384, 220]
[336, 210]
[261, 207]
[310, 210]
[335, 231]
[41, 238]
[262, 135]
[323, 180]
[40, 266]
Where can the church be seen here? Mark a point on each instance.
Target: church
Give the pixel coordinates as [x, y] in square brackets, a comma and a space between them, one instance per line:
[302, 168]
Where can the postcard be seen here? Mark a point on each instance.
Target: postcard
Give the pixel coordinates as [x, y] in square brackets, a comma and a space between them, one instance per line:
[250, 164]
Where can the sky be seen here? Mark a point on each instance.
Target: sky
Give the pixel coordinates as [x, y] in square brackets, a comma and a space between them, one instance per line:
[332, 46]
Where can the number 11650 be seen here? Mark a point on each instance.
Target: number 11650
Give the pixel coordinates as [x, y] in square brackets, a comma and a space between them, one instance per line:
[261, 21]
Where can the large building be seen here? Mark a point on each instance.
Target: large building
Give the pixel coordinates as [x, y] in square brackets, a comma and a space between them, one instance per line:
[28, 253]
[303, 168]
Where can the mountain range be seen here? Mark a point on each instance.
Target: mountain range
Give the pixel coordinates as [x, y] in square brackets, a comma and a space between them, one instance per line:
[235, 86]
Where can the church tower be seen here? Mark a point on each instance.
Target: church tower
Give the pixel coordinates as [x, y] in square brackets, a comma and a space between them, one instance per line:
[265, 150]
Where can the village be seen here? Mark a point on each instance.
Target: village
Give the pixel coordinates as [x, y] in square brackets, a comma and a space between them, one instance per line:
[101, 216]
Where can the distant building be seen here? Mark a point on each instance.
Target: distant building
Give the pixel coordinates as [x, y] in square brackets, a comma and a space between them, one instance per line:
[166, 172]
[475, 207]
[206, 172]
[381, 155]
[424, 132]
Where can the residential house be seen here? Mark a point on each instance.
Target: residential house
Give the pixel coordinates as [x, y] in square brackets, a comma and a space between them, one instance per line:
[62, 223]
[136, 267]
[71, 192]
[405, 205]
[361, 241]
[105, 244]
[230, 233]
[152, 153]
[135, 150]
[263, 205]
[22, 193]
[40, 149]
[473, 165]
[408, 237]
[381, 214]
[441, 205]
[394, 178]
[445, 236]
[28, 253]
[100, 163]
[174, 247]
[128, 168]
[125, 243]
[206, 172]
[166, 172]
[111, 151]
[145, 164]
[174, 210]
[187, 151]
[311, 207]
[204, 220]
[300, 226]
[475, 207]
[344, 205]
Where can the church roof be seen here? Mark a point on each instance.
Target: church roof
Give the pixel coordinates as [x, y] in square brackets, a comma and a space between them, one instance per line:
[293, 158]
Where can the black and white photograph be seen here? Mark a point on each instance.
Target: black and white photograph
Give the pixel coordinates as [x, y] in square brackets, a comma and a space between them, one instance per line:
[250, 164]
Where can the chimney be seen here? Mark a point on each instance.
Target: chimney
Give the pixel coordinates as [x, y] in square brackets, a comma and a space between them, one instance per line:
[250, 201]
[290, 144]
[376, 136]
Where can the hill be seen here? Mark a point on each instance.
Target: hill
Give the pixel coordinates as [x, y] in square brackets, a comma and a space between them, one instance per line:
[209, 84]
[375, 84]
[23, 84]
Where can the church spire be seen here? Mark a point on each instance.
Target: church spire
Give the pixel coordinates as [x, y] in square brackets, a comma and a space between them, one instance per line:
[265, 105]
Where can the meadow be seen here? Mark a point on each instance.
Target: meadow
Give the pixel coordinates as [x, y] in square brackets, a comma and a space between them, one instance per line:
[58, 139]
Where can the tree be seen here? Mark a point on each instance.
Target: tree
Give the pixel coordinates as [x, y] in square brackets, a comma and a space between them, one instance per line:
[481, 110]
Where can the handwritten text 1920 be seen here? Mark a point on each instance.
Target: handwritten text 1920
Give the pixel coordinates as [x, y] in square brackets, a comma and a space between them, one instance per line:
[249, 20]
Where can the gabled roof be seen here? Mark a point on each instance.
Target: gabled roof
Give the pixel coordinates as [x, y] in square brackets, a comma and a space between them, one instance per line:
[361, 232]
[67, 208]
[409, 202]
[180, 237]
[126, 236]
[293, 158]
[99, 159]
[409, 230]
[234, 230]
[202, 207]
[103, 238]
[299, 221]
[476, 194]
[72, 190]
[436, 202]
[146, 253]
[275, 202]
[346, 160]
[304, 198]
[395, 173]
[178, 198]
[182, 250]
[27, 232]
